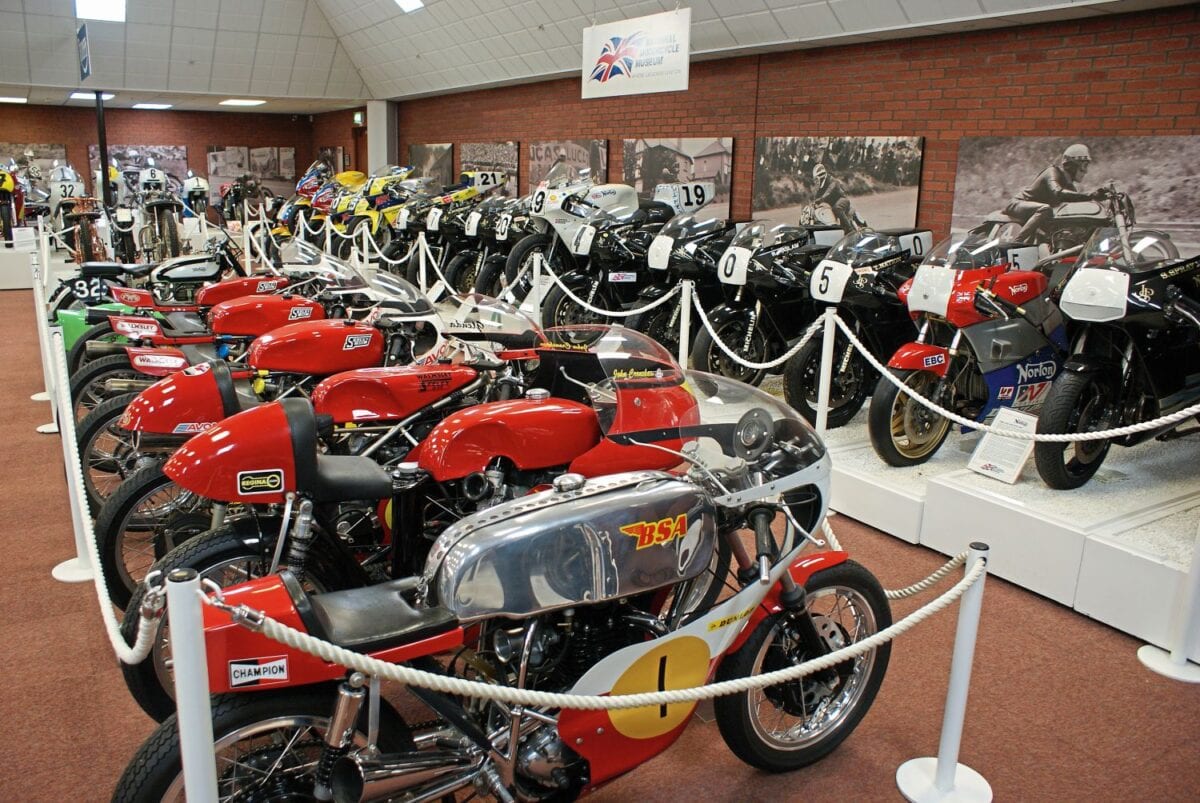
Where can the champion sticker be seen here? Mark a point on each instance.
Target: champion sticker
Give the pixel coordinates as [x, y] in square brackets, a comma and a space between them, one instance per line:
[356, 342]
[256, 671]
[300, 313]
[262, 481]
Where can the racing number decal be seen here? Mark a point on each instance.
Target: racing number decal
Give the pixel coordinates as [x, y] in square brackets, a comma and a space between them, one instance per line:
[539, 202]
[502, 226]
[85, 289]
[678, 663]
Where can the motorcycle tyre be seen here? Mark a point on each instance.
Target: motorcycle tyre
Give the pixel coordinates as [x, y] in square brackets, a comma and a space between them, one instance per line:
[733, 711]
[805, 367]
[491, 280]
[158, 763]
[879, 424]
[114, 366]
[77, 356]
[708, 356]
[91, 427]
[84, 250]
[516, 260]
[168, 235]
[658, 320]
[559, 309]
[463, 271]
[6, 223]
[1060, 414]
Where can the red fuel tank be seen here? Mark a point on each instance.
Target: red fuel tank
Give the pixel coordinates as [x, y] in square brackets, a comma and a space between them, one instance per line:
[256, 315]
[532, 434]
[1020, 286]
[388, 394]
[186, 402]
[317, 347]
[236, 288]
[245, 458]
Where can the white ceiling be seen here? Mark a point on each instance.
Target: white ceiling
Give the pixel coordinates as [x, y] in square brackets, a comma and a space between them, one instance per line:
[314, 55]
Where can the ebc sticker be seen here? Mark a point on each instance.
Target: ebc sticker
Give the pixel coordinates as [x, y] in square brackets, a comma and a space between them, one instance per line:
[261, 481]
[300, 313]
[257, 671]
[934, 359]
[657, 533]
[356, 342]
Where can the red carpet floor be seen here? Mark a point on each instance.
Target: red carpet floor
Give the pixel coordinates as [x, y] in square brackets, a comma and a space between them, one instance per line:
[1060, 708]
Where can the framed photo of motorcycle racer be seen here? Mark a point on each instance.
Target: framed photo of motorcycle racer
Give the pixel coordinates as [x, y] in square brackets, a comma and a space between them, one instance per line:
[435, 161]
[848, 182]
[577, 153]
[650, 162]
[502, 156]
[1055, 191]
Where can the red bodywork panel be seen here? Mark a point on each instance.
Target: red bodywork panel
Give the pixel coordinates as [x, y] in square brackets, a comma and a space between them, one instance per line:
[227, 643]
[641, 407]
[921, 357]
[801, 571]
[609, 753]
[236, 288]
[386, 394]
[532, 434]
[317, 347]
[156, 361]
[246, 458]
[184, 403]
[134, 297]
[134, 326]
[255, 315]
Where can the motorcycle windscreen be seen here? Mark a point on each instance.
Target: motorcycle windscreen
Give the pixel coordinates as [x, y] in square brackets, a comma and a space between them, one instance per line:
[487, 321]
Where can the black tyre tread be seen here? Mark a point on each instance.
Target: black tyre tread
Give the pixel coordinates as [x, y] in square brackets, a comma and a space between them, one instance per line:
[1055, 413]
[730, 710]
[456, 266]
[77, 356]
[703, 349]
[96, 368]
[113, 511]
[879, 424]
[577, 283]
[84, 242]
[169, 232]
[98, 419]
[528, 243]
[794, 371]
[490, 281]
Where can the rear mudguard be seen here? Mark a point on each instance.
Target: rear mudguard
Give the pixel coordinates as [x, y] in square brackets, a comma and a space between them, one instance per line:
[75, 322]
[921, 357]
[801, 571]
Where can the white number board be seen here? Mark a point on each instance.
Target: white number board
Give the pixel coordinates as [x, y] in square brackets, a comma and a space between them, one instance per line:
[433, 220]
[828, 282]
[471, 229]
[734, 264]
[658, 255]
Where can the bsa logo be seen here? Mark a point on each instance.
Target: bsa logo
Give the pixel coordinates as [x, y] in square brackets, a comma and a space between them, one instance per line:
[356, 342]
[657, 533]
[617, 57]
[256, 671]
[933, 360]
[262, 481]
[300, 313]
[192, 428]
[266, 287]
[1036, 371]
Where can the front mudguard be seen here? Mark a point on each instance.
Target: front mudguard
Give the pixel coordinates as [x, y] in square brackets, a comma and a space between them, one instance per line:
[921, 357]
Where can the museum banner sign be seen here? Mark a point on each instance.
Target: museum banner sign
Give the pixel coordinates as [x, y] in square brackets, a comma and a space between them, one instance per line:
[637, 56]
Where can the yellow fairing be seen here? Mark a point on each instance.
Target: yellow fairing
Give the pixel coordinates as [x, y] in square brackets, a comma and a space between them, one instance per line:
[354, 179]
[7, 184]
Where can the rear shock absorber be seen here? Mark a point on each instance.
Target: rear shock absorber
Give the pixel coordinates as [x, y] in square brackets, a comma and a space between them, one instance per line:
[337, 736]
[302, 536]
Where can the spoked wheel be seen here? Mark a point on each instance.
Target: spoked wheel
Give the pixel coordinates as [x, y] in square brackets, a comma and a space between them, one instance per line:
[1076, 403]
[905, 432]
[267, 748]
[87, 384]
[750, 345]
[108, 453]
[559, 309]
[851, 381]
[462, 272]
[77, 356]
[662, 324]
[790, 725]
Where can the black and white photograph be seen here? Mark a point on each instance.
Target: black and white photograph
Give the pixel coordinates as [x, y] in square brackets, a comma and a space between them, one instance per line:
[849, 182]
[1048, 187]
[581, 154]
[435, 161]
[500, 156]
[334, 156]
[41, 154]
[130, 159]
[225, 163]
[650, 162]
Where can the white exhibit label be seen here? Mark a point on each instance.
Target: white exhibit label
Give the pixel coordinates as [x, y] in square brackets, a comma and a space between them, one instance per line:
[1001, 457]
[633, 57]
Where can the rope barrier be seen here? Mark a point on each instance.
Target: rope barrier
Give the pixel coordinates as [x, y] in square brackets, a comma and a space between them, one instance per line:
[757, 366]
[514, 696]
[907, 591]
[658, 302]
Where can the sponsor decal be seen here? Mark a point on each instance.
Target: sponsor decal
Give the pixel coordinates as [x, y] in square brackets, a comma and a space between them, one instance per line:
[1183, 267]
[1031, 395]
[300, 313]
[126, 297]
[637, 373]
[260, 481]
[199, 368]
[1016, 289]
[356, 342]
[158, 361]
[622, 276]
[934, 359]
[267, 286]
[1005, 393]
[474, 326]
[726, 621]
[191, 428]
[438, 380]
[1035, 371]
[545, 344]
[657, 533]
[255, 671]
[137, 327]
[1145, 293]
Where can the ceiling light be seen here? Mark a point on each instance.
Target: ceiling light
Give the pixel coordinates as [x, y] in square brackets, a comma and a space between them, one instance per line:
[107, 10]
[152, 105]
[242, 102]
[91, 96]
[409, 5]
[14, 100]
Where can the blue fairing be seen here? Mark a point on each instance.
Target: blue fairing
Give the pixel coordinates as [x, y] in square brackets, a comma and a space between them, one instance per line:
[1024, 385]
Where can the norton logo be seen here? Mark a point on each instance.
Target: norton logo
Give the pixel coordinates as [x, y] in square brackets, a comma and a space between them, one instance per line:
[264, 287]
[657, 533]
[356, 342]
[253, 671]
[299, 313]
[263, 481]
[1039, 370]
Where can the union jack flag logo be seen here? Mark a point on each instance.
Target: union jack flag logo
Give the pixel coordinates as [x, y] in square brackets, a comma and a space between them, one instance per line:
[616, 58]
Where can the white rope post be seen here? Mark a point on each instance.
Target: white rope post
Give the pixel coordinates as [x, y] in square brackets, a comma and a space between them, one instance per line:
[421, 249]
[39, 308]
[47, 343]
[246, 236]
[300, 231]
[1174, 663]
[203, 216]
[365, 254]
[328, 235]
[536, 292]
[926, 780]
[685, 320]
[826, 378]
[193, 711]
[78, 569]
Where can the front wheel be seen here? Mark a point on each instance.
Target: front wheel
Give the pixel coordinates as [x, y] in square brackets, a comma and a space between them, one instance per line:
[87, 384]
[791, 725]
[77, 356]
[519, 262]
[462, 272]
[851, 381]
[903, 431]
[107, 452]
[6, 223]
[745, 339]
[1076, 403]
[559, 309]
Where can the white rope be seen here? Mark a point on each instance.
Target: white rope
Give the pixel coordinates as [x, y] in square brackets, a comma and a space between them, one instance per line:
[1105, 434]
[907, 591]
[514, 696]
[757, 366]
[658, 302]
[383, 258]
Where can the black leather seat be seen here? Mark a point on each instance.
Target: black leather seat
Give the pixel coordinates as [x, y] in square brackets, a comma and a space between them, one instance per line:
[330, 478]
[656, 211]
[102, 270]
[366, 619]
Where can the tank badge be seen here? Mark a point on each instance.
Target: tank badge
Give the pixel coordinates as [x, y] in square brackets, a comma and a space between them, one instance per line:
[657, 533]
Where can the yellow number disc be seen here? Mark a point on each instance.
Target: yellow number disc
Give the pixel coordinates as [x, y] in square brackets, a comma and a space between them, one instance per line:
[679, 663]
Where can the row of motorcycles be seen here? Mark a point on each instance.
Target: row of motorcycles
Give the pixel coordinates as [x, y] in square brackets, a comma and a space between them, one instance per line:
[449, 485]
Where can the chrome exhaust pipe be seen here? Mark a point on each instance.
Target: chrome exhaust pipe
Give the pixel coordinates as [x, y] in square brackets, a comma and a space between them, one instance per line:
[126, 385]
[357, 778]
[101, 348]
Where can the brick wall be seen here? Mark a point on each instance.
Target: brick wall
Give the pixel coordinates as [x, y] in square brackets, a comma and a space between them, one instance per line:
[335, 129]
[1108, 75]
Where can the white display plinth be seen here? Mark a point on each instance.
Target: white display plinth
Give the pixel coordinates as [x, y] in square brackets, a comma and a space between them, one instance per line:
[14, 268]
[915, 779]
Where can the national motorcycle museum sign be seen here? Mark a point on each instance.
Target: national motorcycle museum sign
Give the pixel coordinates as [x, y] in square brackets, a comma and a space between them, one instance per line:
[637, 56]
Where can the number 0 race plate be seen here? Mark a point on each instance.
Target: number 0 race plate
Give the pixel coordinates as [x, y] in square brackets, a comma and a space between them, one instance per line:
[734, 264]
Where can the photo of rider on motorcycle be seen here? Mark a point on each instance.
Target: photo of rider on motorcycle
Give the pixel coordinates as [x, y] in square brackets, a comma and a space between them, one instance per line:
[828, 190]
[1055, 185]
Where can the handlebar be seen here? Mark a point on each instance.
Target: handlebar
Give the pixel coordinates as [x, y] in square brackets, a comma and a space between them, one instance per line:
[1181, 309]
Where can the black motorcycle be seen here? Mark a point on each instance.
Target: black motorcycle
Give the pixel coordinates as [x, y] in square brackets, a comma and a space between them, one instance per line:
[481, 230]
[1135, 352]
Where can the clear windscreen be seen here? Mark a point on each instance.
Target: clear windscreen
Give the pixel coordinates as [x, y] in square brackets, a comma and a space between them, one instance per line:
[864, 248]
[968, 252]
[1104, 249]
[561, 174]
[687, 227]
[478, 318]
[767, 234]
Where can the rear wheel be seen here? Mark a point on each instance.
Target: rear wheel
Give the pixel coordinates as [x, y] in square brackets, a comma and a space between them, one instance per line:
[85, 245]
[851, 381]
[168, 235]
[6, 221]
[107, 452]
[905, 432]
[87, 384]
[559, 309]
[1076, 403]
[734, 332]
[77, 357]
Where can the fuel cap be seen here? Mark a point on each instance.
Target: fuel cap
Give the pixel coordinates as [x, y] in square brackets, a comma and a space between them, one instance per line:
[568, 482]
[538, 394]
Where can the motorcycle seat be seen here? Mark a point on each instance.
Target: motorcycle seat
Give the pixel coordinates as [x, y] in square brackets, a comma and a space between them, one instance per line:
[656, 211]
[366, 619]
[102, 270]
[330, 478]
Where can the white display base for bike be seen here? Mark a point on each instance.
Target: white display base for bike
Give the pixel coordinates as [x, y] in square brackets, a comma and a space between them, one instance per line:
[72, 571]
[1160, 661]
[916, 781]
[41, 395]
[48, 429]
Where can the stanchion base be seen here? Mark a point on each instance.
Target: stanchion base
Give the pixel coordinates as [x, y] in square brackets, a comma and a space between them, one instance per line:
[41, 395]
[72, 571]
[48, 429]
[915, 780]
[1159, 661]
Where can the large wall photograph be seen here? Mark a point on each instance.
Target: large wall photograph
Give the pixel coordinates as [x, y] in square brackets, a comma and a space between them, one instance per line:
[650, 162]
[997, 175]
[130, 159]
[840, 181]
[591, 154]
[501, 156]
[41, 154]
[435, 161]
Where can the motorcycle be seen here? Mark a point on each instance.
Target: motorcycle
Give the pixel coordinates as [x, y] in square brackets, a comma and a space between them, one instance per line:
[236, 194]
[988, 337]
[1135, 352]
[594, 586]
[12, 202]
[195, 194]
[376, 205]
[482, 245]
[859, 276]
[158, 237]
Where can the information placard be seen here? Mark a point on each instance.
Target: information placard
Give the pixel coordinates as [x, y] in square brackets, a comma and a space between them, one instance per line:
[1001, 457]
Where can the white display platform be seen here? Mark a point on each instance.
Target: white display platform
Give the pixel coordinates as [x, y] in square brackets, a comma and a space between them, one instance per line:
[1116, 550]
[14, 269]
